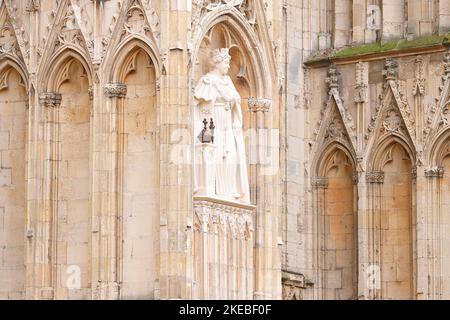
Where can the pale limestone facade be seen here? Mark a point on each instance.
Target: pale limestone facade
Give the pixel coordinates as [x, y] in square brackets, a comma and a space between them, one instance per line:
[347, 137]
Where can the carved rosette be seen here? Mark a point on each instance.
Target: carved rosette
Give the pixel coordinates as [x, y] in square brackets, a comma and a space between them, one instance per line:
[435, 172]
[50, 99]
[259, 105]
[375, 177]
[115, 90]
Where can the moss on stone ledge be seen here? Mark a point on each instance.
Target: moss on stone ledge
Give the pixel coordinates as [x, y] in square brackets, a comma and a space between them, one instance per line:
[393, 45]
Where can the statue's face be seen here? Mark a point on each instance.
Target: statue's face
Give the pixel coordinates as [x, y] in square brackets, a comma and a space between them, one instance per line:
[223, 67]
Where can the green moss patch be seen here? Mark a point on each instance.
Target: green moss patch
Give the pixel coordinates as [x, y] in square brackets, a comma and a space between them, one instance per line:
[393, 45]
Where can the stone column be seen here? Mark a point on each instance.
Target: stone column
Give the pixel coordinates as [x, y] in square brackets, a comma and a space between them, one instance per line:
[359, 20]
[107, 196]
[320, 186]
[42, 271]
[372, 269]
[176, 150]
[444, 16]
[433, 235]
[261, 184]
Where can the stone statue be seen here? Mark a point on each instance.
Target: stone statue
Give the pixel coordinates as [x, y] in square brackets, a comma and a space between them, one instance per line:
[216, 99]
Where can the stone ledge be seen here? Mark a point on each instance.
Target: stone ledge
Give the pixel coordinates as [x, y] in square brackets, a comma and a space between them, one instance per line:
[225, 202]
[377, 50]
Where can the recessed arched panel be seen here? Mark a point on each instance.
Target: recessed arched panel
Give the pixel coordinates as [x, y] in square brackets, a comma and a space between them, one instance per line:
[395, 223]
[444, 196]
[339, 255]
[139, 177]
[13, 133]
[73, 183]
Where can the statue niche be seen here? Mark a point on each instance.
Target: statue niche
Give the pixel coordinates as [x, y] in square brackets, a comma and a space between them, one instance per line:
[221, 166]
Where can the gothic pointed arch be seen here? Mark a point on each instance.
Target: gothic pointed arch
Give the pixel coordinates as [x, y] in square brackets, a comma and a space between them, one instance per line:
[440, 148]
[239, 25]
[227, 24]
[137, 25]
[14, 117]
[392, 118]
[125, 55]
[391, 177]
[132, 89]
[10, 51]
[60, 69]
[336, 123]
[438, 121]
[65, 37]
[335, 207]
[14, 22]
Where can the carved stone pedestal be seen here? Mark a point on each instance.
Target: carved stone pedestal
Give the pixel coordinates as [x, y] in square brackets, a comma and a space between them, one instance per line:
[223, 249]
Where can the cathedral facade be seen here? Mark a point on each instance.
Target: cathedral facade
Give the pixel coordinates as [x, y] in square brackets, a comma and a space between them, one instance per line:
[336, 113]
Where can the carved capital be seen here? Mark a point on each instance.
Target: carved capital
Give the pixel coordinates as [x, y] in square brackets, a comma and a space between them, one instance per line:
[91, 92]
[435, 172]
[375, 177]
[414, 173]
[320, 182]
[355, 178]
[33, 5]
[259, 105]
[115, 90]
[50, 99]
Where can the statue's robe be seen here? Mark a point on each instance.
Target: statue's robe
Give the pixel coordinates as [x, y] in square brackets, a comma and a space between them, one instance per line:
[217, 98]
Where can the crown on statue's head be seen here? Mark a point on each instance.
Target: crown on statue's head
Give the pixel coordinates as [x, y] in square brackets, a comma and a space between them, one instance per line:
[220, 55]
